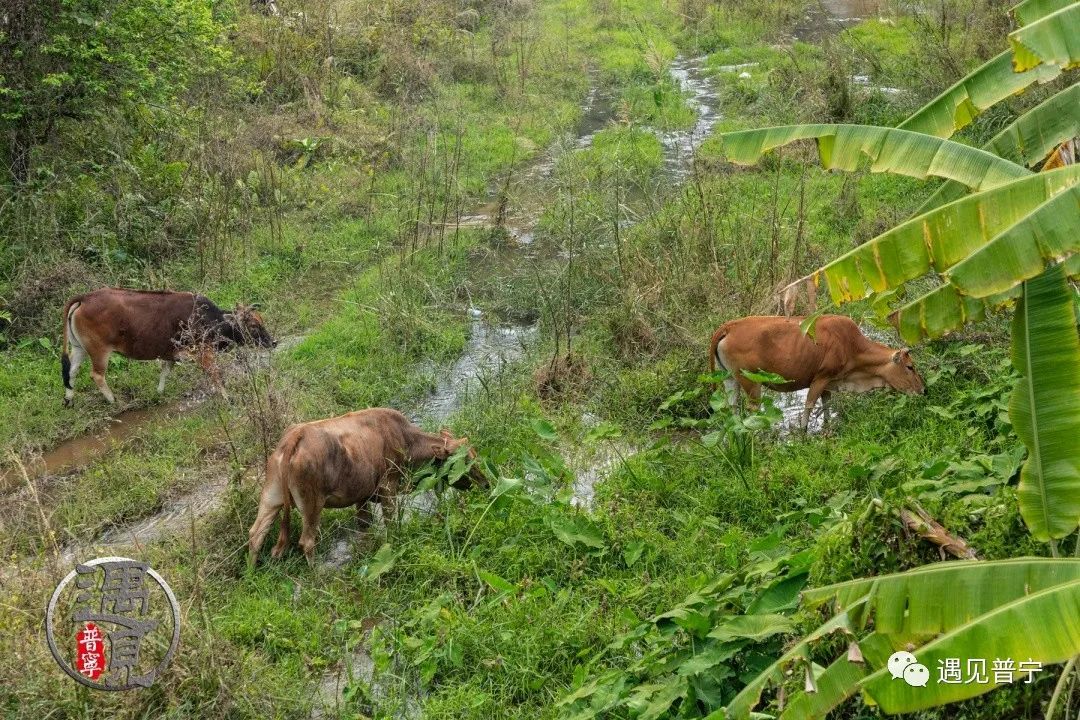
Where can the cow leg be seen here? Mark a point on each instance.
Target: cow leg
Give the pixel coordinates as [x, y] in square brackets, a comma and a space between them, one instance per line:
[205, 358]
[816, 390]
[731, 387]
[99, 364]
[310, 512]
[752, 390]
[363, 515]
[166, 368]
[270, 502]
[825, 397]
[76, 357]
[282, 543]
[388, 489]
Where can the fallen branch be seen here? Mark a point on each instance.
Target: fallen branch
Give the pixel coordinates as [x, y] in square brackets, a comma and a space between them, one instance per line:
[918, 521]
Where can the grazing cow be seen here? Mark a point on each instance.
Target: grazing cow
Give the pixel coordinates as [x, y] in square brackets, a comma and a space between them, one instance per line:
[150, 325]
[838, 357]
[354, 459]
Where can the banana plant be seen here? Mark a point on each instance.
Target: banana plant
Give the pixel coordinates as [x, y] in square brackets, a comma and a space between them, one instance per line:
[1022, 607]
[1014, 238]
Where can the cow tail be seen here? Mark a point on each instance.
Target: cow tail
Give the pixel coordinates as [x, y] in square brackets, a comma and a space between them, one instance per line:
[65, 358]
[714, 348]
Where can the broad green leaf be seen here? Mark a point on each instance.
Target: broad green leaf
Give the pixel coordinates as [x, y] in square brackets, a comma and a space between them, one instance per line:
[1052, 40]
[943, 308]
[843, 147]
[576, 530]
[1043, 626]
[383, 560]
[1044, 405]
[544, 429]
[1027, 140]
[649, 702]
[780, 595]
[1048, 234]
[946, 236]
[497, 583]
[983, 88]
[741, 705]
[808, 326]
[937, 598]
[751, 627]
[632, 552]
[1029, 11]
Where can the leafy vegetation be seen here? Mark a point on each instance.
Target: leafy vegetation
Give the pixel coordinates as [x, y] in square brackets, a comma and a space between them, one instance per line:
[396, 182]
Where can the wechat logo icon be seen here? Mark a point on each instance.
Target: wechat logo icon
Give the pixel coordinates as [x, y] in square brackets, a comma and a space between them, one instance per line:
[904, 666]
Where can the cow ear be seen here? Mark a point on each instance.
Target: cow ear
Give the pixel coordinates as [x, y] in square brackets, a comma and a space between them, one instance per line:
[896, 356]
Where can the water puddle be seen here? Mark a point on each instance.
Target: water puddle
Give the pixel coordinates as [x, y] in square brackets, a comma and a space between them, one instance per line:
[680, 145]
[489, 348]
[829, 17]
[80, 451]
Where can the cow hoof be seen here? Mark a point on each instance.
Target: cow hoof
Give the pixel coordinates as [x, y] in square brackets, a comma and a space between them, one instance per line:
[68, 402]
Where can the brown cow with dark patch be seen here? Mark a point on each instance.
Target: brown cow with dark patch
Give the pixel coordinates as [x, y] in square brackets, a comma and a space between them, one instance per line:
[838, 357]
[150, 325]
[355, 459]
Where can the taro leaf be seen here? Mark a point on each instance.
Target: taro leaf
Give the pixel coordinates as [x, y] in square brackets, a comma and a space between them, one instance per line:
[381, 562]
[576, 530]
[751, 627]
[632, 552]
[781, 595]
[544, 429]
[603, 431]
[649, 702]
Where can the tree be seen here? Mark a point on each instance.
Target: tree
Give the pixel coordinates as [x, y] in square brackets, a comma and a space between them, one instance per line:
[80, 59]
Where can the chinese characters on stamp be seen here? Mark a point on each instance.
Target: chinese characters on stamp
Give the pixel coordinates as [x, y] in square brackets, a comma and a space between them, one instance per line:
[111, 615]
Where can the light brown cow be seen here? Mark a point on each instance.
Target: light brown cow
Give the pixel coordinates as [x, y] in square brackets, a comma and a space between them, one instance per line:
[838, 357]
[354, 459]
[150, 325]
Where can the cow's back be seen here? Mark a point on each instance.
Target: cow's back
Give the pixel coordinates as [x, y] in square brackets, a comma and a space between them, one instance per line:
[777, 344]
[142, 325]
[346, 457]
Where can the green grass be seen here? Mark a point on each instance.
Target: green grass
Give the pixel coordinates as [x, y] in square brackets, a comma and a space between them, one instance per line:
[499, 604]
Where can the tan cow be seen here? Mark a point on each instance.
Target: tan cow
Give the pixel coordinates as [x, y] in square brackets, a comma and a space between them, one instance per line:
[354, 459]
[150, 325]
[838, 357]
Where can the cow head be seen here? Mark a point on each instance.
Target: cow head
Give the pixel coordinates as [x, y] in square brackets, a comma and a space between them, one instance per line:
[249, 326]
[900, 373]
[451, 445]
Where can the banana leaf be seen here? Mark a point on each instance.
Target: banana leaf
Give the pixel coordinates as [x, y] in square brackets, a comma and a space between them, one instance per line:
[1027, 140]
[1053, 40]
[940, 239]
[1045, 406]
[986, 86]
[1048, 234]
[1029, 11]
[740, 706]
[938, 598]
[1043, 627]
[843, 147]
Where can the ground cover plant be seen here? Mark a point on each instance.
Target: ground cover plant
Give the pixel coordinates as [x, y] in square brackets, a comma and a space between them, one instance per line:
[524, 198]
